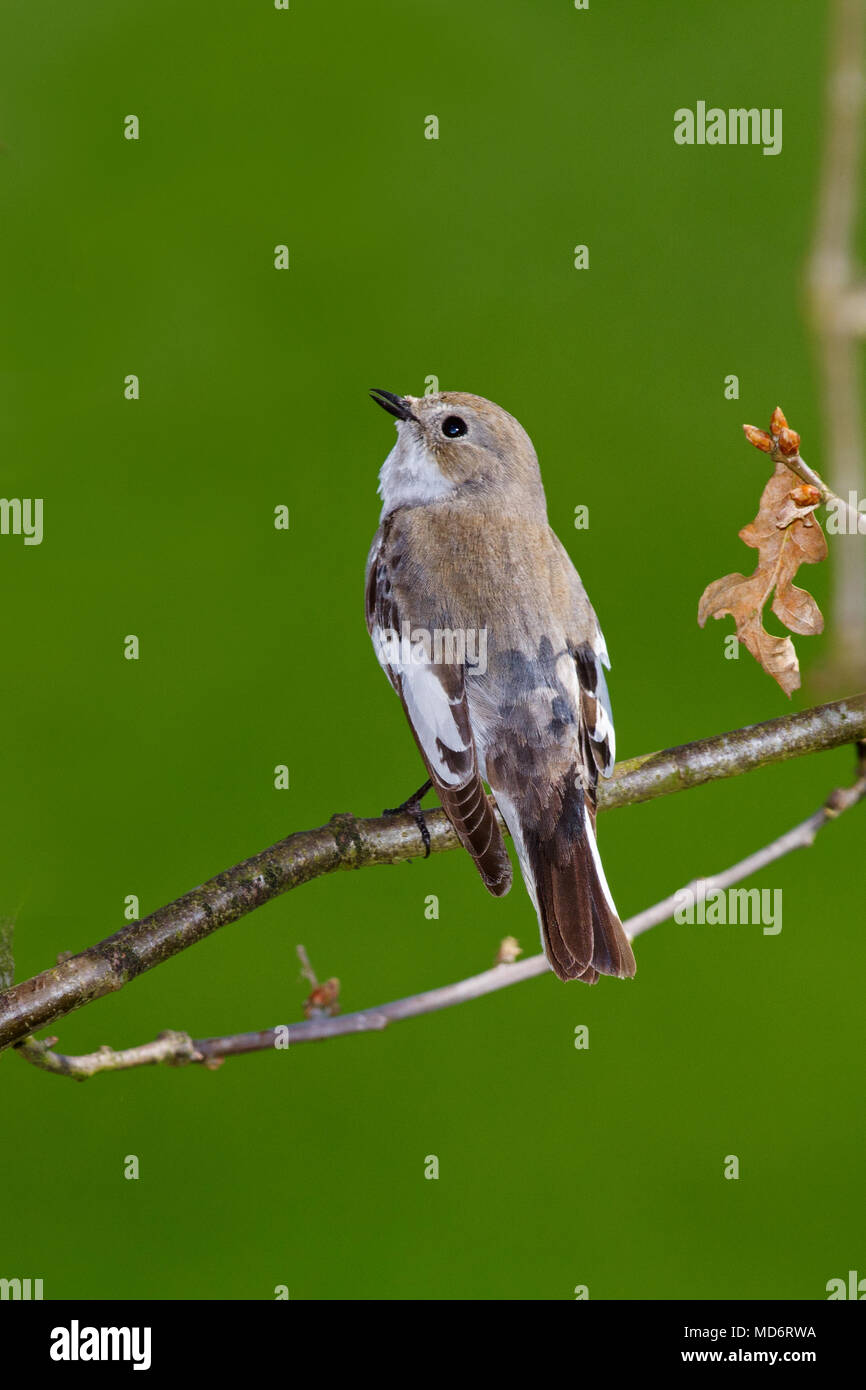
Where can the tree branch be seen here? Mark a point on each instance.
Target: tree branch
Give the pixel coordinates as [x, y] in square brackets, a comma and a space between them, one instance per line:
[179, 1049]
[348, 842]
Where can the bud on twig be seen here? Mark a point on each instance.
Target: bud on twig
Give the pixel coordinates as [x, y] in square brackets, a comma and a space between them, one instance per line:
[789, 442]
[757, 437]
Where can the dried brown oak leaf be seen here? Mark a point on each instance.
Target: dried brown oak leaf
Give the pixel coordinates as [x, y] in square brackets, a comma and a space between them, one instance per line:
[786, 534]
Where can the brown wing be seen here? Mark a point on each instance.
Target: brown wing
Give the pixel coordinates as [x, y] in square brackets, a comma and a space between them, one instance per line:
[434, 699]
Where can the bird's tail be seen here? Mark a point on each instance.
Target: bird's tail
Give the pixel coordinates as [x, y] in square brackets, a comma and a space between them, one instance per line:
[580, 927]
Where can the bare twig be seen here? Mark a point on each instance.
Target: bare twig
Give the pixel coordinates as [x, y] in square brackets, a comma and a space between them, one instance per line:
[307, 971]
[179, 1049]
[174, 1048]
[349, 842]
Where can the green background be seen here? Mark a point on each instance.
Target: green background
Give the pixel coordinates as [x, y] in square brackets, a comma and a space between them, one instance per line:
[409, 257]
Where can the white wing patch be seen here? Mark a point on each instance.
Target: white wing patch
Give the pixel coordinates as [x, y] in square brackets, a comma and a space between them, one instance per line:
[604, 731]
[604, 724]
[599, 722]
[428, 705]
[591, 657]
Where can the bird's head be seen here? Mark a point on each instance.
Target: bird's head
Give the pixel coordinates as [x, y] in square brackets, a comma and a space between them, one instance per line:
[453, 445]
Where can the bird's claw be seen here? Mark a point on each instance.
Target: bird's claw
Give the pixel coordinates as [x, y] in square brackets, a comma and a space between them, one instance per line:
[412, 807]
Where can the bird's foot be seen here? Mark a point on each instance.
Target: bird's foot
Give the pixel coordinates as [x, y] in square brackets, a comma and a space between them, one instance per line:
[412, 807]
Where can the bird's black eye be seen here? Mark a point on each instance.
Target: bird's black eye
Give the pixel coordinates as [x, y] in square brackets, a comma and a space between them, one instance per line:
[453, 426]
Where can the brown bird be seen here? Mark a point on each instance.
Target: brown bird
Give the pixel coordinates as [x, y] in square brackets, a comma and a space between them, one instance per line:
[484, 629]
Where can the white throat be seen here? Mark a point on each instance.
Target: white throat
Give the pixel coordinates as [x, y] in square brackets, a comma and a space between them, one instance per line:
[410, 476]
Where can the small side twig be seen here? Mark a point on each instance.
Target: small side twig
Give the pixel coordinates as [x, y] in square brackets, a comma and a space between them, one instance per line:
[307, 971]
[180, 1049]
[176, 1049]
[782, 445]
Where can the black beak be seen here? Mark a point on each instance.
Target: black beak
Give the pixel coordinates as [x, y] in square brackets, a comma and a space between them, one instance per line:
[395, 405]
